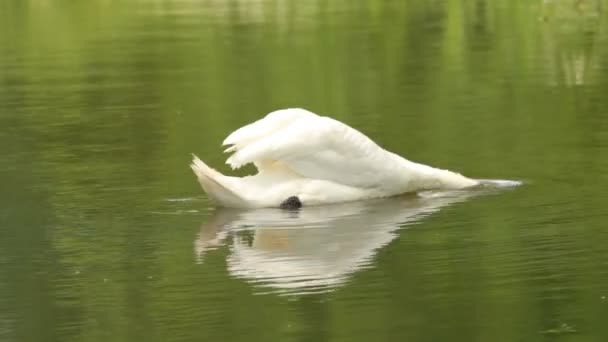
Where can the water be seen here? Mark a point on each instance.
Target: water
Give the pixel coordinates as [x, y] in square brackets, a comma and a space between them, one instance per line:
[105, 234]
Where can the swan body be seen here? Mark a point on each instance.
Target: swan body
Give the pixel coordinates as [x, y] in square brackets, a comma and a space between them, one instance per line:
[318, 160]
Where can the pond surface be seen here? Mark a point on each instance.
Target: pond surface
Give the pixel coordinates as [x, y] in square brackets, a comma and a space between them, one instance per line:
[105, 234]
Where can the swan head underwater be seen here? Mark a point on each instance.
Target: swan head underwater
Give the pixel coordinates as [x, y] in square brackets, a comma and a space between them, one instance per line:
[304, 159]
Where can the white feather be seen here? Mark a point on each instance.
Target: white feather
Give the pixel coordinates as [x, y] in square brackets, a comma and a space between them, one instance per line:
[319, 160]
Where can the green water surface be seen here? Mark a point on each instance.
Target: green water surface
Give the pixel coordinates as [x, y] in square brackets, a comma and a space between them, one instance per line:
[105, 234]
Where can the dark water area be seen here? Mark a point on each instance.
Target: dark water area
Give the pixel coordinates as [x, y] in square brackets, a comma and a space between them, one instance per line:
[105, 234]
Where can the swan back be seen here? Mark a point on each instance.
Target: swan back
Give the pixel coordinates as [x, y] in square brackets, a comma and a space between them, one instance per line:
[322, 148]
[317, 159]
[313, 147]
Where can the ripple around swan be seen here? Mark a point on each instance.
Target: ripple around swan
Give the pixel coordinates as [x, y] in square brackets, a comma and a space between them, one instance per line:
[499, 183]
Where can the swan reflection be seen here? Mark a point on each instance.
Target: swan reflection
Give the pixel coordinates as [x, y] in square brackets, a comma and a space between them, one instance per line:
[315, 249]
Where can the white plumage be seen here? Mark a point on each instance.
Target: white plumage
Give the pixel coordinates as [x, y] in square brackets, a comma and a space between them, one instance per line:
[317, 159]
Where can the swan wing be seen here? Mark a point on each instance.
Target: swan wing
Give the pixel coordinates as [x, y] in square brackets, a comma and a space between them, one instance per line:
[265, 127]
[312, 146]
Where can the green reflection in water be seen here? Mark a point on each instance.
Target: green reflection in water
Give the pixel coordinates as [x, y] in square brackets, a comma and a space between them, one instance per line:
[101, 103]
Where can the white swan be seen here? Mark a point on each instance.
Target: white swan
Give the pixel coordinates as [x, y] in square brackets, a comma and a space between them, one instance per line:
[306, 159]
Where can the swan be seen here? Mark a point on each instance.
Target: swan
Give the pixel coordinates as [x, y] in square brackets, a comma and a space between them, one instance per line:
[304, 159]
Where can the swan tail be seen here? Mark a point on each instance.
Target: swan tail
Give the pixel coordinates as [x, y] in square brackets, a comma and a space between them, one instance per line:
[216, 185]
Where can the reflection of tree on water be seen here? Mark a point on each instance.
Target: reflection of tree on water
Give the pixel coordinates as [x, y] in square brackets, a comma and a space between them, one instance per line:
[570, 36]
[317, 248]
